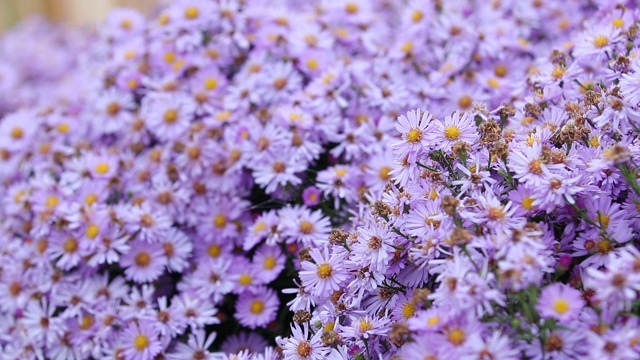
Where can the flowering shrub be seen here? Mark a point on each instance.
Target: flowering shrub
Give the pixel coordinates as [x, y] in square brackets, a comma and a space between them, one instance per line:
[344, 179]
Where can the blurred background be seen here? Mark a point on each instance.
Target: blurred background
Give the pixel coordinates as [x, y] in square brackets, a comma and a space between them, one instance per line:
[79, 12]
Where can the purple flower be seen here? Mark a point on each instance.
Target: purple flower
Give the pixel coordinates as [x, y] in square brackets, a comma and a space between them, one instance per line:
[561, 302]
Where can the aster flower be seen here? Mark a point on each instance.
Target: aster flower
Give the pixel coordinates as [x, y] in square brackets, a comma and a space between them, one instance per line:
[257, 308]
[196, 347]
[455, 128]
[413, 128]
[325, 274]
[301, 347]
[561, 302]
[144, 262]
[168, 116]
[141, 341]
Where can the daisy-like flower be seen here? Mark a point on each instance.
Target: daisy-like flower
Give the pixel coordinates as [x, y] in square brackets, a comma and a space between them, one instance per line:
[413, 128]
[304, 226]
[150, 224]
[268, 263]
[144, 262]
[561, 302]
[300, 347]
[168, 115]
[311, 196]
[457, 127]
[196, 347]
[257, 308]
[141, 340]
[325, 274]
[278, 170]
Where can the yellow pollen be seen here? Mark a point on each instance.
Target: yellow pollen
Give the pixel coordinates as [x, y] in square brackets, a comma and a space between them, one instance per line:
[143, 259]
[304, 349]
[311, 40]
[220, 221]
[416, 16]
[351, 8]
[257, 307]
[617, 23]
[102, 168]
[132, 84]
[433, 321]
[312, 64]
[414, 135]
[365, 325]
[603, 219]
[170, 57]
[600, 41]
[63, 128]
[500, 71]
[465, 102]
[594, 142]
[306, 227]
[340, 172]
[191, 12]
[384, 173]
[407, 47]
[126, 24]
[604, 246]
[269, 262]
[141, 342]
[93, 231]
[560, 306]
[130, 54]
[211, 84]
[535, 167]
[245, 280]
[494, 83]
[70, 246]
[527, 203]
[456, 337]
[408, 310]
[452, 133]
[52, 202]
[170, 116]
[328, 327]
[259, 227]
[557, 73]
[90, 199]
[17, 133]
[214, 250]
[87, 322]
[225, 115]
[324, 271]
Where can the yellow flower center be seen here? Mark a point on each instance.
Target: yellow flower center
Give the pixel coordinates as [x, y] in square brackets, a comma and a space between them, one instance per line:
[143, 259]
[500, 71]
[52, 202]
[452, 133]
[86, 322]
[102, 168]
[312, 64]
[63, 128]
[384, 173]
[560, 306]
[141, 342]
[365, 325]
[170, 116]
[269, 262]
[407, 47]
[603, 219]
[465, 102]
[456, 337]
[324, 271]
[191, 12]
[617, 22]
[414, 135]
[600, 41]
[211, 84]
[259, 227]
[416, 16]
[220, 221]
[351, 8]
[558, 72]
[306, 227]
[433, 321]
[340, 172]
[214, 250]
[535, 168]
[17, 133]
[245, 280]
[70, 246]
[527, 203]
[257, 306]
[408, 310]
[93, 231]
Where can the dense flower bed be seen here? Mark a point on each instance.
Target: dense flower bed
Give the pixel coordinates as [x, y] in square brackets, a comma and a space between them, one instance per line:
[339, 179]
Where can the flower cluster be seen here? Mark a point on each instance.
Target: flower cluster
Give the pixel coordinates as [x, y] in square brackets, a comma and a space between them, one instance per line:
[323, 179]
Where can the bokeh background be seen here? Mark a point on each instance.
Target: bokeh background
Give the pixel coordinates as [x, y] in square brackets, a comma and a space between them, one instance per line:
[78, 12]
